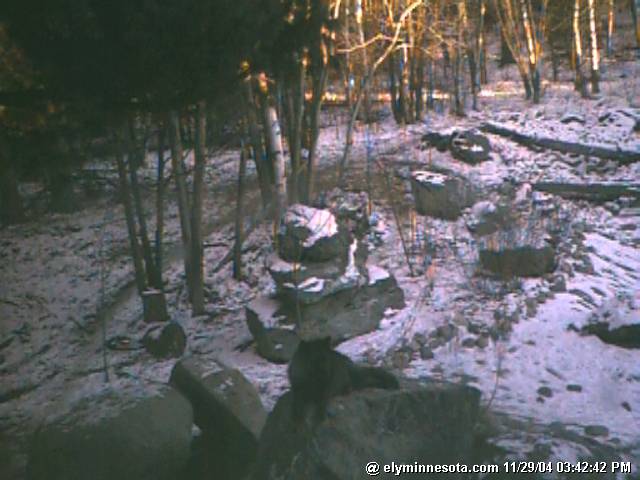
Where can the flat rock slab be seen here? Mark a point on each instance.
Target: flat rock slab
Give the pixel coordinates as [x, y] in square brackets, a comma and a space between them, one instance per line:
[134, 439]
[432, 423]
[439, 195]
[517, 253]
[349, 313]
[341, 315]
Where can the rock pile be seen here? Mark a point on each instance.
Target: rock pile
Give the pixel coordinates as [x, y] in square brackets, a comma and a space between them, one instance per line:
[324, 286]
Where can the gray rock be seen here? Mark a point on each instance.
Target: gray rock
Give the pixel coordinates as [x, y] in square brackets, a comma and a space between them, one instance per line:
[439, 195]
[310, 234]
[545, 392]
[114, 435]
[596, 431]
[367, 425]
[572, 118]
[559, 284]
[426, 353]
[523, 252]
[486, 218]
[165, 341]
[273, 331]
[348, 313]
[470, 147]
[349, 208]
[228, 410]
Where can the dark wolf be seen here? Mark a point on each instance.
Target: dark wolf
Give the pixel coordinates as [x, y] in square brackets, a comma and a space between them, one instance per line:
[318, 373]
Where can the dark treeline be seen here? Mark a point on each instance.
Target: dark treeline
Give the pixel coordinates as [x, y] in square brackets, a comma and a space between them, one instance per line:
[120, 80]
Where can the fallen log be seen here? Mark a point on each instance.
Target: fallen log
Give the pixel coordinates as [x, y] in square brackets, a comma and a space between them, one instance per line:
[595, 192]
[621, 156]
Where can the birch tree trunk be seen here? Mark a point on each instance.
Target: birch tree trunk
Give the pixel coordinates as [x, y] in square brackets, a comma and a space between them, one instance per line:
[610, 26]
[580, 83]
[275, 143]
[595, 56]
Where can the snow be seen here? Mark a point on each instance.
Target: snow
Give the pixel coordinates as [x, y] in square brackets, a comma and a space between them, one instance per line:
[51, 290]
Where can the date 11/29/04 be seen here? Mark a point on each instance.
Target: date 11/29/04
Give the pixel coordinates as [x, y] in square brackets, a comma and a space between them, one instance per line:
[567, 467]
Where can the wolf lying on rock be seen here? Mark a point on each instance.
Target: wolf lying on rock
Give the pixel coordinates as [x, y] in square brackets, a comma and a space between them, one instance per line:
[318, 373]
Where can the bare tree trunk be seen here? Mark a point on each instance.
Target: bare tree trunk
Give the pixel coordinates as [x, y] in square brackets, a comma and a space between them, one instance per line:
[319, 84]
[197, 267]
[580, 83]
[296, 96]
[262, 166]
[610, 26]
[160, 188]
[237, 245]
[11, 206]
[532, 48]
[595, 56]
[482, 47]
[457, 68]
[177, 166]
[136, 159]
[129, 218]
[365, 58]
[635, 13]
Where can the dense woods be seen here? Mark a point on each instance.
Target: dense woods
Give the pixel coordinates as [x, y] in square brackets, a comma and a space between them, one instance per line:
[79, 81]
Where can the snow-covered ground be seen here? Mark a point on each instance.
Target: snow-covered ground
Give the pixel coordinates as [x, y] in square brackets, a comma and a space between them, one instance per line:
[52, 285]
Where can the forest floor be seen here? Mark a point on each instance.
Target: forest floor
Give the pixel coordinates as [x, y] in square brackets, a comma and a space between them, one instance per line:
[51, 285]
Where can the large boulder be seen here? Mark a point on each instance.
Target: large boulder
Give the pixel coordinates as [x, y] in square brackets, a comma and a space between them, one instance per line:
[113, 434]
[310, 235]
[439, 195]
[470, 147]
[348, 313]
[430, 423]
[228, 410]
[487, 217]
[277, 324]
[519, 252]
[165, 340]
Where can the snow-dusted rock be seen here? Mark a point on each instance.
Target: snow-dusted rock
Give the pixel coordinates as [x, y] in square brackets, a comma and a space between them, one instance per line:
[486, 217]
[371, 424]
[349, 208]
[439, 195]
[470, 147]
[113, 435]
[309, 234]
[520, 252]
[226, 407]
[273, 331]
[165, 340]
